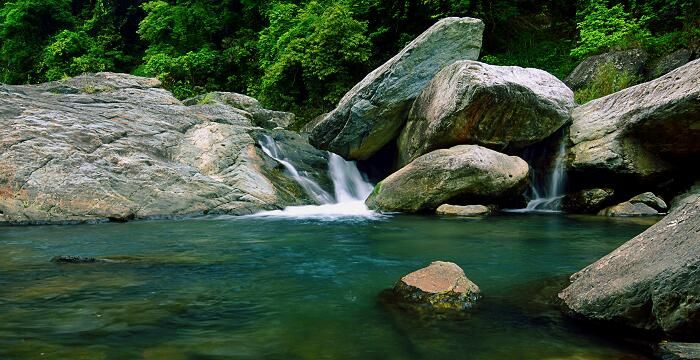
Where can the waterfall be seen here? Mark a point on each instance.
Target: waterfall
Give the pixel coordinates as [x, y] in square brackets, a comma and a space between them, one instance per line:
[350, 187]
[547, 197]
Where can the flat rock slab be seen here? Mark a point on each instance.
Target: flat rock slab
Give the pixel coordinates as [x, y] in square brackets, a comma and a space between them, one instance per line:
[463, 210]
[372, 113]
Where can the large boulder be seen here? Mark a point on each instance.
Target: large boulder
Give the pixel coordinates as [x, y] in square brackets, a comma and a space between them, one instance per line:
[587, 201]
[372, 113]
[500, 107]
[678, 351]
[465, 173]
[631, 61]
[671, 61]
[640, 132]
[115, 146]
[652, 282]
[440, 287]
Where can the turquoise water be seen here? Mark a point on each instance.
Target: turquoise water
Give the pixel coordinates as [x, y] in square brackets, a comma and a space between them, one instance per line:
[269, 288]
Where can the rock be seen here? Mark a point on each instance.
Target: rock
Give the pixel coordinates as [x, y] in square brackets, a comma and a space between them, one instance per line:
[689, 196]
[467, 173]
[249, 107]
[372, 113]
[70, 259]
[500, 107]
[115, 146]
[671, 62]
[587, 201]
[631, 61]
[468, 210]
[678, 351]
[640, 132]
[441, 287]
[646, 204]
[652, 282]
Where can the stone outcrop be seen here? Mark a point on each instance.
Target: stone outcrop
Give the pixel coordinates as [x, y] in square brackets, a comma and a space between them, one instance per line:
[678, 351]
[671, 62]
[463, 210]
[372, 113]
[468, 173]
[500, 107]
[246, 106]
[587, 201]
[652, 282]
[631, 61]
[115, 146]
[642, 131]
[440, 287]
[646, 204]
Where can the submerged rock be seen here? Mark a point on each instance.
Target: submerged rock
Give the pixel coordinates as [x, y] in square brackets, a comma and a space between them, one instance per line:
[641, 131]
[466, 210]
[500, 107]
[646, 204]
[678, 351]
[631, 61]
[440, 287]
[116, 146]
[71, 259]
[588, 201]
[372, 113]
[468, 173]
[652, 282]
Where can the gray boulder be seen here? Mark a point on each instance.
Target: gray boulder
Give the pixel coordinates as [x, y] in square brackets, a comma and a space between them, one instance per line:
[500, 107]
[587, 201]
[467, 173]
[671, 62]
[440, 287]
[692, 194]
[248, 106]
[372, 113]
[639, 132]
[631, 61]
[652, 282]
[678, 351]
[646, 204]
[115, 146]
[463, 210]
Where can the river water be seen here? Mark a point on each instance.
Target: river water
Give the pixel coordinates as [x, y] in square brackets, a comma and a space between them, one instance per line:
[281, 287]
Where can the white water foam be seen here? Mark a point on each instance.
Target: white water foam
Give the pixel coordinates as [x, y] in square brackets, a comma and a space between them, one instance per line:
[350, 186]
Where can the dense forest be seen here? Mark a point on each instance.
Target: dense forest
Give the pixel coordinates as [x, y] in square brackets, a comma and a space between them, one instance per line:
[303, 55]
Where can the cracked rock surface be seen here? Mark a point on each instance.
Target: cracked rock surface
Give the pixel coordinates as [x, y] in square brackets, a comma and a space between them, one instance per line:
[115, 146]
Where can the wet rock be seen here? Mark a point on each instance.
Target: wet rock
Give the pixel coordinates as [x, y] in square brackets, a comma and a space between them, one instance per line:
[588, 201]
[372, 113]
[465, 173]
[651, 283]
[440, 287]
[116, 146]
[640, 132]
[631, 61]
[70, 259]
[499, 107]
[646, 204]
[678, 351]
[467, 210]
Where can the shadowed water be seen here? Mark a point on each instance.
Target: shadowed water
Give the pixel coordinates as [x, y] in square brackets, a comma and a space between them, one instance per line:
[276, 288]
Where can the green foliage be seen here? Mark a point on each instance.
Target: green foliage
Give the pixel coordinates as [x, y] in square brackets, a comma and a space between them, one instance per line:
[606, 81]
[551, 55]
[308, 54]
[604, 28]
[185, 75]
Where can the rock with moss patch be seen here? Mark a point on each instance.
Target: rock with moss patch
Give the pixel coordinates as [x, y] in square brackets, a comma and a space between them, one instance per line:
[439, 287]
[587, 201]
[630, 61]
[247, 106]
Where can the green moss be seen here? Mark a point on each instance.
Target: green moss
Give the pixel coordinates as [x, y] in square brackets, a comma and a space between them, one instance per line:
[607, 80]
[206, 99]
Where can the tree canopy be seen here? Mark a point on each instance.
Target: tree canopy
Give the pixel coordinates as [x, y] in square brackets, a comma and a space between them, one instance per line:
[303, 55]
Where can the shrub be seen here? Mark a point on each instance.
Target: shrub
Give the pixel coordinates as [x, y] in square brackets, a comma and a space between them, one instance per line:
[608, 79]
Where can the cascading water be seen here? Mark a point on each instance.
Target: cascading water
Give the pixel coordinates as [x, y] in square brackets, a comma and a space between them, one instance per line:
[547, 197]
[350, 186]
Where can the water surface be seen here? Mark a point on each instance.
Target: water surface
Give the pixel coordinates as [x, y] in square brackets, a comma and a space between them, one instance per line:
[285, 288]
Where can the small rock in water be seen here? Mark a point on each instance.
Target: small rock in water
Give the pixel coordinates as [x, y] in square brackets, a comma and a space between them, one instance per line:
[70, 259]
[466, 210]
[441, 287]
[678, 351]
[646, 204]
